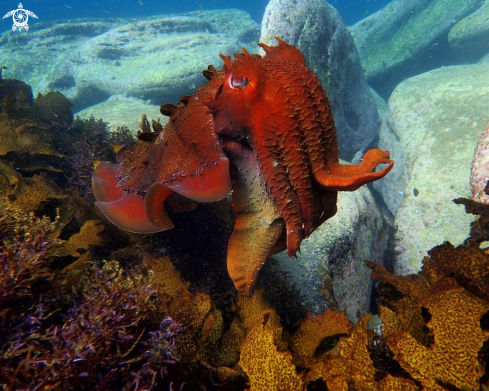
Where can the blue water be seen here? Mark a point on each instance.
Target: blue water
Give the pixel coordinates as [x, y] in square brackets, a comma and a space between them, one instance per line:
[351, 10]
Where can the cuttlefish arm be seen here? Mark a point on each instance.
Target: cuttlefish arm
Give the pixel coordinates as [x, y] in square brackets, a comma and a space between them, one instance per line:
[349, 177]
[258, 224]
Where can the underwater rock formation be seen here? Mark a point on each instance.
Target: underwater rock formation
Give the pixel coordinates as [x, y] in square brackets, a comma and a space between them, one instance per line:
[329, 270]
[120, 111]
[158, 58]
[437, 118]
[392, 192]
[406, 38]
[469, 38]
[480, 169]
[316, 28]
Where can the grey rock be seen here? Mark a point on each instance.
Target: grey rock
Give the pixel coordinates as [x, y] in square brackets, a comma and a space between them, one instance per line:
[122, 111]
[479, 176]
[316, 28]
[158, 58]
[329, 270]
[469, 38]
[438, 118]
[406, 38]
[392, 187]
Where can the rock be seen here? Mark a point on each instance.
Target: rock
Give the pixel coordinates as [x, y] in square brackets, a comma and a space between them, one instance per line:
[469, 38]
[406, 38]
[392, 189]
[329, 270]
[438, 118]
[36, 57]
[479, 175]
[158, 58]
[316, 28]
[118, 111]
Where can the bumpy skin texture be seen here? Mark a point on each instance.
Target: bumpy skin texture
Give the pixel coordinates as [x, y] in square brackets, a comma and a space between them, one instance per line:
[278, 107]
[185, 157]
[271, 117]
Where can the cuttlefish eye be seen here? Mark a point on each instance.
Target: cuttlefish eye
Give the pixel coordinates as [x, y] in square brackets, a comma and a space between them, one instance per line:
[238, 82]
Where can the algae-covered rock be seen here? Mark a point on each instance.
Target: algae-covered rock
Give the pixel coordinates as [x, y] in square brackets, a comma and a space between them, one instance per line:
[470, 37]
[316, 28]
[329, 270]
[480, 169]
[392, 190]
[438, 118]
[122, 111]
[158, 58]
[407, 37]
[28, 125]
[30, 57]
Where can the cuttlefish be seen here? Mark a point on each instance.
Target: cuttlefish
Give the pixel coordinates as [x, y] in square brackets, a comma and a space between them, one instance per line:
[261, 127]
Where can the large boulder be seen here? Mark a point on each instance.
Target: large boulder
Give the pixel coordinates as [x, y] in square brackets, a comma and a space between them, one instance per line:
[120, 111]
[469, 38]
[35, 56]
[316, 28]
[391, 188]
[330, 271]
[437, 118]
[406, 38]
[157, 58]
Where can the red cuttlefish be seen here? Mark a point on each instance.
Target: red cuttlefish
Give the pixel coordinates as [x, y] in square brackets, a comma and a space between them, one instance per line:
[268, 118]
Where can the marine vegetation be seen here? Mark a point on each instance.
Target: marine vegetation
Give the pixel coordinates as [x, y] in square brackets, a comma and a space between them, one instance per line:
[262, 126]
[84, 310]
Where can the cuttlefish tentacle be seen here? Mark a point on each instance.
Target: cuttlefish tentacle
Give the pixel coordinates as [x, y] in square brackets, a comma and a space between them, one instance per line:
[274, 174]
[304, 124]
[349, 177]
[258, 224]
[323, 151]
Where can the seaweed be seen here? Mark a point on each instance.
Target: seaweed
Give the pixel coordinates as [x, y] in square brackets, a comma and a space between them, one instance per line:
[87, 142]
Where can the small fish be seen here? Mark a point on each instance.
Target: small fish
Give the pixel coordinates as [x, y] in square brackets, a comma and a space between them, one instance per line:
[107, 12]
[67, 6]
[415, 192]
[140, 2]
[401, 192]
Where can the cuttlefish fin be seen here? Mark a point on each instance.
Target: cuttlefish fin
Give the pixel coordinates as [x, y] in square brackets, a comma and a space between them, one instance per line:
[213, 184]
[128, 213]
[105, 179]
[154, 206]
[126, 209]
[349, 177]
